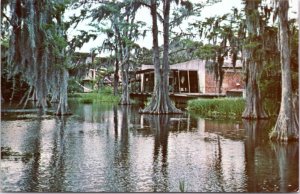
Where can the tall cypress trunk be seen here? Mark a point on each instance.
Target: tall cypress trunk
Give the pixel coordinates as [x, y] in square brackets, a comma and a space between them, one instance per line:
[287, 126]
[254, 106]
[125, 99]
[160, 101]
[219, 72]
[116, 75]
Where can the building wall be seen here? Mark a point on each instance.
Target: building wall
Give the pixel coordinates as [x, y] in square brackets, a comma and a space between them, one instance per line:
[210, 83]
[201, 77]
[90, 75]
[232, 81]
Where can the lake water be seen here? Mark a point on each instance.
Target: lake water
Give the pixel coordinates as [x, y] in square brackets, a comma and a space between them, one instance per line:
[110, 148]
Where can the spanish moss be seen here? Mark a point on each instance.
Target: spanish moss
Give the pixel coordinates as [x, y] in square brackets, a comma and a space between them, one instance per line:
[37, 50]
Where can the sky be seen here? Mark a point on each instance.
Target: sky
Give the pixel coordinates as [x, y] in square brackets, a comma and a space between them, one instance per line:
[143, 14]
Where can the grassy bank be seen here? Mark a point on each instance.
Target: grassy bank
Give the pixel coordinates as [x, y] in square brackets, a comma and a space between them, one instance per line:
[224, 108]
[218, 107]
[103, 95]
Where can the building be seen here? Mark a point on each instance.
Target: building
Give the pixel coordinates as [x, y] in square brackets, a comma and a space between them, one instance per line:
[88, 69]
[89, 80]
[193, 77]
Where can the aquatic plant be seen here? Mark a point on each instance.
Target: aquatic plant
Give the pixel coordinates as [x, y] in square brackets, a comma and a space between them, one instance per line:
[103, 95]
[182, 186]
[7, 152]
[218, 107]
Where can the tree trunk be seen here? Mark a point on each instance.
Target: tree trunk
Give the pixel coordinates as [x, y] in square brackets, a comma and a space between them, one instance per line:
[254, 107]
[219, 72]
[286, 127]
[116, 78]
[125, 100]
[160, 101]
[62, 108]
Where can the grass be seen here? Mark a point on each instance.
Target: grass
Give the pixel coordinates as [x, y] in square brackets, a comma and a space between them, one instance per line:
[218, 107]
[182, 186]
[103, 95]
[224, 108]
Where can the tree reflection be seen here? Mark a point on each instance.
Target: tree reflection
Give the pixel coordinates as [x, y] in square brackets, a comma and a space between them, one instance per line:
[287, 155]
[57, 161]
[116, 123]
[122, 163]
[32, 144]
[218, 164]
[161, 125]
[255, 132]
[269, 166]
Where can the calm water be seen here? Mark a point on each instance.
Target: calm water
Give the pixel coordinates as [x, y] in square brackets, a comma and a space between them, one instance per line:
[114, 149]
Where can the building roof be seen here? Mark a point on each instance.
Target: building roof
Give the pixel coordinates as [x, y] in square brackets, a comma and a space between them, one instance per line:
[191, 65]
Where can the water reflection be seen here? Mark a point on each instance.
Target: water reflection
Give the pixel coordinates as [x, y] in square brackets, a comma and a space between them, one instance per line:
[271, 167]
[57, 162]
[33, 145]
[114, 149]
[254, 138]
[160, 123]
[287, 156]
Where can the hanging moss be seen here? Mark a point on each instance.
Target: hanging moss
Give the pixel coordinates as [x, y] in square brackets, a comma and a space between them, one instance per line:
[38, 49]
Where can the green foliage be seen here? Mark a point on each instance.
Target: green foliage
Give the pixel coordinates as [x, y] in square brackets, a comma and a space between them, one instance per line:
[252, 45]
[103, 95]
[106, 91]
[228, 108]
[206, 51]
[270, 80]
[184, 49]
[271, 106]
[4, 42]
[182, 186]
[218, 107]
[147, 102]
[73, 87]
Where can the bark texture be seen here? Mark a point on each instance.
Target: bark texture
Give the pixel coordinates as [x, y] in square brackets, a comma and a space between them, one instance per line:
[254, 107]
[160, 101]
[287, 124]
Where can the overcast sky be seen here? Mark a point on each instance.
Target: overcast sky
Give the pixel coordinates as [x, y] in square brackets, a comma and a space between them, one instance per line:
[144, 15]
